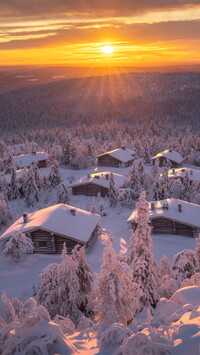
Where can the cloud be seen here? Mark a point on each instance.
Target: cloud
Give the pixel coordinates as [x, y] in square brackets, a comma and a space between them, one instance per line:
[78, 33]
[88, 8]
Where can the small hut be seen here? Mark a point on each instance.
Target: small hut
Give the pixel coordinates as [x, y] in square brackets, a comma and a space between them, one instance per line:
[175, 159]
[172, 216]
[92, 184]
[117, 157]
[25, 160]
[50, 227]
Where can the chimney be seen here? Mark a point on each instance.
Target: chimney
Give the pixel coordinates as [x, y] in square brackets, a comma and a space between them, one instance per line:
[170, 150]
[34, 152]
[179, 207]
[191, 172]
[124, 148]
[182, 170]
[72, 211]
[25, 217]
[173, 171]
[152, 206]
[107, 176]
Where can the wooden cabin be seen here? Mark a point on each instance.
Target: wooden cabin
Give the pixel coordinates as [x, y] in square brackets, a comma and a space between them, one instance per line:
[172, 216]
[116, 158]
[92, 184]
[25, 160]
[168, 156]
[50, 227]
[181, 173]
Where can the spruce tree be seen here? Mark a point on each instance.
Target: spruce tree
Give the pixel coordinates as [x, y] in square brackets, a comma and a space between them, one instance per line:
[112, 193]
[62, 194]
[114, 294]
[54, 176]
[140, 256]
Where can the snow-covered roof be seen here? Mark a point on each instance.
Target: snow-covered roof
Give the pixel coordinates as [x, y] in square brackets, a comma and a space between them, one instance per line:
[193, 174]
[122, 154]
[100, 179]
[190, 214]
[24, 160]
[59, 220]
[171, 155]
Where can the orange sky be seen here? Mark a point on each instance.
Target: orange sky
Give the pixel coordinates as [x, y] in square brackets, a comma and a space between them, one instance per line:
[72, 32]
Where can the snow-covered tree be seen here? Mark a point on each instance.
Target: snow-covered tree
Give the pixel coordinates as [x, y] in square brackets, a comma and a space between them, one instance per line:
[112, 193]
[155, 169]
[85, 276]
[187, 188]
[125, 197]
[13, 189]
[114, 294]
[29, 188]
[17, 246]
[184, 265]
[102, 209]
[197, 252]
[176, 188]
[140, 256]
[5, 212]
[54, 176]
[62, 194]
[37, 176]
[62, 296]
[165, 267]
[93, 208]
[3, 186]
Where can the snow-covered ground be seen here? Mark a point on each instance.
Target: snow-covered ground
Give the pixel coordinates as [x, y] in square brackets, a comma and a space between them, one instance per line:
[19, 280]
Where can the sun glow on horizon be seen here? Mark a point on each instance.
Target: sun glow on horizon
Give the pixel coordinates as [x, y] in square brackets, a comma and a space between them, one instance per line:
[107, 49]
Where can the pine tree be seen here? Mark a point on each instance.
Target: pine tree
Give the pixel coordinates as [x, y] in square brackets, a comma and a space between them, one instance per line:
[62, 296]
[114, 294]
[54, 176]
[17, 246]
[37, 176]
[101, 209]
[5, 212]
[140, 257]
[112, 193]
[13, 189]
[85, 276]
[29, 188]
[197, 252]
[93, 207]
[155, 169]
[165, 267]
[187, 188]
[62, 194]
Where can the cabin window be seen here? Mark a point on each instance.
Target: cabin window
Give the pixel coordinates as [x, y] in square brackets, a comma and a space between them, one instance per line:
[43, 244]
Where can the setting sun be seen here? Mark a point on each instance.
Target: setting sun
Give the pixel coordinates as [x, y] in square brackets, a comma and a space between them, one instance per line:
[107, 49]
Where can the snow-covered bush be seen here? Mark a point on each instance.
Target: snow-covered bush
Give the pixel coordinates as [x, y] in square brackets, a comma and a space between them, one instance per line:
[17, 246]
[184, 265]
[114, 336]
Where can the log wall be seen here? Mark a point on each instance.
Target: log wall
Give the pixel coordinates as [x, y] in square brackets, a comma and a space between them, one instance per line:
[54, 243]
[89, 190]
[107, 160]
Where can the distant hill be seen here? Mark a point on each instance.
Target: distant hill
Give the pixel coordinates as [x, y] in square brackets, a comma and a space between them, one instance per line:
[122, 97]
[12, 77]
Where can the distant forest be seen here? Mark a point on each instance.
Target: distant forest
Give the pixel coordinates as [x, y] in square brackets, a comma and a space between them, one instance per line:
[148, 112]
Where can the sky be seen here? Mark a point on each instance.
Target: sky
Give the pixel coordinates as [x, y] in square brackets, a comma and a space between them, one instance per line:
[73, 32]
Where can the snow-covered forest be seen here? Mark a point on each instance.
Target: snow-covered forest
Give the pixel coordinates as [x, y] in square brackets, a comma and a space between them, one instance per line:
[130, 292]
